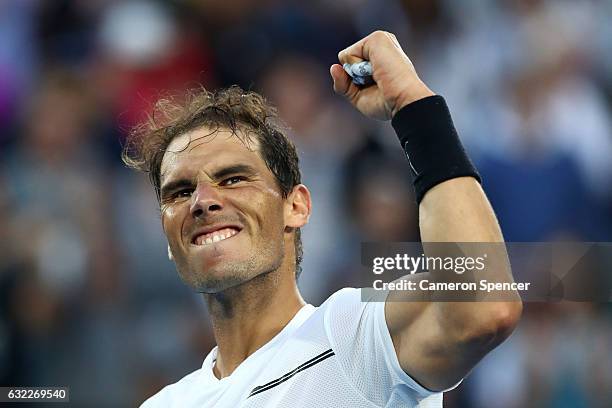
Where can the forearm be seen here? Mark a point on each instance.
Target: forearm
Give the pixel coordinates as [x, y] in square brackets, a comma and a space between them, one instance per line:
[453, 208]
[457, 210]
[452, 205]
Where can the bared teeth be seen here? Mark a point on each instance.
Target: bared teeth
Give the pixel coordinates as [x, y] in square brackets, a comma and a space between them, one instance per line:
[216, 236]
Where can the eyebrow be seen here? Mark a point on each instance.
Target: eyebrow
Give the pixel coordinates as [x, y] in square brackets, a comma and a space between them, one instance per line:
[223, 172]
[174, 185]
[235, 169]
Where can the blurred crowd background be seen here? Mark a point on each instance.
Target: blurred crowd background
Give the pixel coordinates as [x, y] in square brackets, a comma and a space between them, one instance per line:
[88, 298]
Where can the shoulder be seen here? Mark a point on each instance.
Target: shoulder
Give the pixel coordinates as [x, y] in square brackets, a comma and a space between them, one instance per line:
[173, 394]
[352, 313]
[344, 296]
[351, 302]
[357, 295]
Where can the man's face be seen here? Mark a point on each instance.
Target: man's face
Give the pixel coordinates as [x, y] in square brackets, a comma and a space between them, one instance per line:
[222, 210]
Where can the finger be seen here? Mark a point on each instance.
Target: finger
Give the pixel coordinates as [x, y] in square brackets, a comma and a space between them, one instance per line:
[395, 41]
[361, 50]
[342, 81]
[354, 53]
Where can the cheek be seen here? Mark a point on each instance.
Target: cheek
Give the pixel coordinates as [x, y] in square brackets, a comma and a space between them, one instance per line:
[269, 210]
[265, 216]
[170, 218]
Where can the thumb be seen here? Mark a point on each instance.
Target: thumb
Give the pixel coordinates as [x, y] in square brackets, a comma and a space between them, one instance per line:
[342, 81]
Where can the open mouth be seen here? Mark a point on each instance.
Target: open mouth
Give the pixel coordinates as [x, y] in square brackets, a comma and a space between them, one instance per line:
[215, 236]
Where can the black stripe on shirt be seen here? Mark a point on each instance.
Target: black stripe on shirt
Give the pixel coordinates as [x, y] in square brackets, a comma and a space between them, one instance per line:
[301, 367]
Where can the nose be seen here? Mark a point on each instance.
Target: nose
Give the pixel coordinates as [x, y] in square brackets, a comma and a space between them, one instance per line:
[204, 200]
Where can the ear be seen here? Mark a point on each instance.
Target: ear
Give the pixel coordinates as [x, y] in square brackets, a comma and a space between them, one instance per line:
[170, 255]
[297, 207]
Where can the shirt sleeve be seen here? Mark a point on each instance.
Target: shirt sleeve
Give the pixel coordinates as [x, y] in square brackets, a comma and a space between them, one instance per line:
[361, 341]
[158, 400]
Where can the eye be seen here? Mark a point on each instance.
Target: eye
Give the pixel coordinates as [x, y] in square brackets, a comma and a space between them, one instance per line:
[186, 192]
[232, 180]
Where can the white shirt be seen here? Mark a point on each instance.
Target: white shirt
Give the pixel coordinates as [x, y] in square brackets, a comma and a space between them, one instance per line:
[337, 355]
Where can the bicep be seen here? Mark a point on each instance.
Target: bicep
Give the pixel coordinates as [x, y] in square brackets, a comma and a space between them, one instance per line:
[422, 347]
[436, 358]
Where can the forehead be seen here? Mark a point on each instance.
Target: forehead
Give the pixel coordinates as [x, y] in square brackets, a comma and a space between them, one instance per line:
[205, 149]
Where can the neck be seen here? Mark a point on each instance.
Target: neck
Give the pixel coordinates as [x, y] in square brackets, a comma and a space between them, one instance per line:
[247, 316]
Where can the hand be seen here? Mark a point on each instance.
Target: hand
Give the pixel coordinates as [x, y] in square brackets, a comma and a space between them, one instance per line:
[396, 81]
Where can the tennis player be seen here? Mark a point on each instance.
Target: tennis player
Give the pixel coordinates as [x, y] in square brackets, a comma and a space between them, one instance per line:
[232, 205]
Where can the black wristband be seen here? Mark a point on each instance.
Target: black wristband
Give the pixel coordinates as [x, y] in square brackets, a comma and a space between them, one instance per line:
[435, 153]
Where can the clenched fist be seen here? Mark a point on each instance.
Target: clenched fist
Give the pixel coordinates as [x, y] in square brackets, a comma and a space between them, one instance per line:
[396, 81]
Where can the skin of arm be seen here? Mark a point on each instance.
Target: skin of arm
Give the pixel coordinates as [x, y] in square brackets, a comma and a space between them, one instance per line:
[437, 343]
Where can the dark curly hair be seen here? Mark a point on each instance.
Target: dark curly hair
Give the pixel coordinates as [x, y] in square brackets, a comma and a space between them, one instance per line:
[230, 108]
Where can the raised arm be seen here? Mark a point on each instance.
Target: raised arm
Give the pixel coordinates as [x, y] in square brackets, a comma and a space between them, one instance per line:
[437, 343]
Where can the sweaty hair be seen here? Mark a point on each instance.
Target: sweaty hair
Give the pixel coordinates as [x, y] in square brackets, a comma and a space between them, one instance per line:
[246, 114]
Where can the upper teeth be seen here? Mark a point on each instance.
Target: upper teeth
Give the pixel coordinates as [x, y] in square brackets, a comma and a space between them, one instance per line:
[215, 236]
